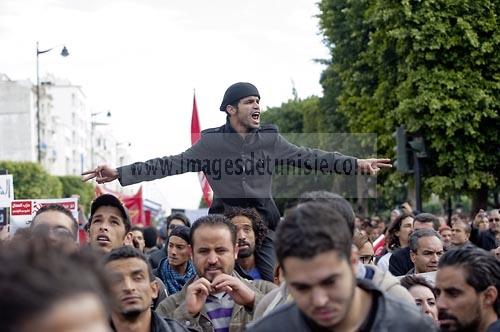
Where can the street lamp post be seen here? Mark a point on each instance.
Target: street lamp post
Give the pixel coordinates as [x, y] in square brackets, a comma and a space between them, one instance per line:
[65, 53]
[92, 126]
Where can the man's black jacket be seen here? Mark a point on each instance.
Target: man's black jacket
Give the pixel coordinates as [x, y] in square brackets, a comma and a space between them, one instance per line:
[239, 169]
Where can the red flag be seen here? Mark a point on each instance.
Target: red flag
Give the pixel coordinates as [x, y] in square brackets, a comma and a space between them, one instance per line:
[195, 136]
[195, 123]
[135, 207]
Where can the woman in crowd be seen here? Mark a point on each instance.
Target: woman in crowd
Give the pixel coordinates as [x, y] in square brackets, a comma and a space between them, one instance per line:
[397, 237]
[423, 293]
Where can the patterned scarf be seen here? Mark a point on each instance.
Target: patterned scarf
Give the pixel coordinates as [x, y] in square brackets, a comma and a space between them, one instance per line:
[173, 280]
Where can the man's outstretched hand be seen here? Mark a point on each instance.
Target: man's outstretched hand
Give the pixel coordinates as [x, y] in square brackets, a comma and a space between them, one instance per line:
[102, 174]
[373, 166]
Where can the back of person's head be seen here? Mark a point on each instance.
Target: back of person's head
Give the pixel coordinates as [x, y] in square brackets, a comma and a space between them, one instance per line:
[258, 225]
[213, 220]
[310, 229]
[127, 252]
[428, 218]
[481, 269]
[36, 278]
[418, 234]
[337, 202]
[150, 236]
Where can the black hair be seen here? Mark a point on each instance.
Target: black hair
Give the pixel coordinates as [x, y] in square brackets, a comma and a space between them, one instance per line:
[481, 268]
[393, 240]
[58, 208]
[258, 225]
[214, 220]
[180, 216]
[34, 276]
[337, 202]
[150, 236]
[126, 252]
[428, 218]
[310, 229]
[415, 280]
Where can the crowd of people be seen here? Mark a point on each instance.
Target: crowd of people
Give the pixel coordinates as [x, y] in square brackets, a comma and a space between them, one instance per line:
[244, 267]
[218, 274]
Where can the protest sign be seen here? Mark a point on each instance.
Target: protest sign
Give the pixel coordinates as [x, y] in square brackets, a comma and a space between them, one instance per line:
[6, 190]
[22, 211]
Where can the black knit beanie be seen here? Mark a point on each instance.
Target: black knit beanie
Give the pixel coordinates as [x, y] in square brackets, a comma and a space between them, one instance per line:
[236, 92]
[182, 232]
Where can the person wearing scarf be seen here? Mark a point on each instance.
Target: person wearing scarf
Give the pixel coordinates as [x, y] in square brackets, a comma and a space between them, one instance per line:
[176, 269]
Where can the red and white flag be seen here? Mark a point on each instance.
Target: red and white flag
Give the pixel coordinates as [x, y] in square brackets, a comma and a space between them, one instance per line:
[195, 136]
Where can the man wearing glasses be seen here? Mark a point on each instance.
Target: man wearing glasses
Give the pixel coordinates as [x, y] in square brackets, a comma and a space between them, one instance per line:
[58, 224]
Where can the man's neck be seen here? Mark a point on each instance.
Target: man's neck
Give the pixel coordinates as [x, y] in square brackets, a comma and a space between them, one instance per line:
[141, 323]
[238, 128]
[358, 311]
[247, 263]
[489, 318]
[181, 269]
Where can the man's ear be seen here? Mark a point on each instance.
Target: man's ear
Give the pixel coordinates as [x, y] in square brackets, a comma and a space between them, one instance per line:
[490, 295]
[155, 289]
[129, 239]
[413, 257]
[230, 109]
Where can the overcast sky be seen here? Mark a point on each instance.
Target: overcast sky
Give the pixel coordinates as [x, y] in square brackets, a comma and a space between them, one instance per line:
[141, 59]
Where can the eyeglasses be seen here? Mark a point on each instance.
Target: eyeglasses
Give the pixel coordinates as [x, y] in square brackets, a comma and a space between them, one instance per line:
[58, 232]
[494, 219]
[366, 259]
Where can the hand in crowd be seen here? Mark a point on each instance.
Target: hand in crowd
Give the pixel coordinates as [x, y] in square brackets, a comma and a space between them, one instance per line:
[199, 290]
[102, 174]
[481, 217]
[373, 166]
[196, 295]
[240, 293]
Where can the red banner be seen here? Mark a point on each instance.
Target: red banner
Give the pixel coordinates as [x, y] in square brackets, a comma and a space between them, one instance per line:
[195, 136]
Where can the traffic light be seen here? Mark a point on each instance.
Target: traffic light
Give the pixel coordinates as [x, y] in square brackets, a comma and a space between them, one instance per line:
[401, 150]
[417, 145]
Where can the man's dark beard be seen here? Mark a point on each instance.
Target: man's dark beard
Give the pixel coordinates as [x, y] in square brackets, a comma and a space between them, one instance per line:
[245, 252]
[471, 326]
[132, 315]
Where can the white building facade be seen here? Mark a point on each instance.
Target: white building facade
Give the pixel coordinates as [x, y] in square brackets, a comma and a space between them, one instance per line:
[72, 138]
[18, 129]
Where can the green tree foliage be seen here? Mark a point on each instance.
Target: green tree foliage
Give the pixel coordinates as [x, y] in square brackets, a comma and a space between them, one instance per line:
[73, 185]
[432, 66]
[32, 181]
[302, 122]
